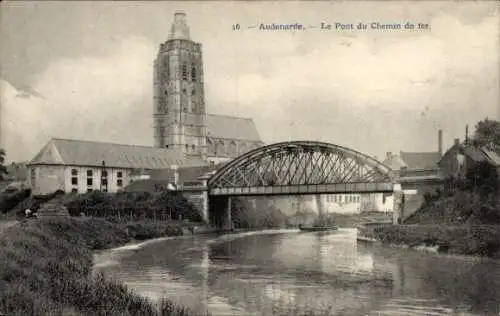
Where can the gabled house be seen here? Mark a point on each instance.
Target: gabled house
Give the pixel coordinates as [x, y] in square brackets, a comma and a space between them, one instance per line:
[84, 166]
[459, 158]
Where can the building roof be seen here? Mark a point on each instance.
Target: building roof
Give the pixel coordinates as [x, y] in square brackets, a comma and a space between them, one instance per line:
[394, 162]
[493, 157]
[479, 154]
[231, 127]
[420, 160]
[186, 174]
[89, 153]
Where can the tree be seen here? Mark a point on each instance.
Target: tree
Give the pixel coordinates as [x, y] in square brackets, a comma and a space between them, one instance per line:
[483, 178]
[3, 169]
[487, 132]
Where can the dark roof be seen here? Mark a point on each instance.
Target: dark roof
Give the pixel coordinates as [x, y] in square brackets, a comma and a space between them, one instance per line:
[231, 127]
[90, 153]
[420, 160]
[474, 153]
[186, 174]
[479, 154]
[147, 185]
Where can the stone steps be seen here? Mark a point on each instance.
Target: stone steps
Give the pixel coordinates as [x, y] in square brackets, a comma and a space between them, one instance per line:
[52, 209]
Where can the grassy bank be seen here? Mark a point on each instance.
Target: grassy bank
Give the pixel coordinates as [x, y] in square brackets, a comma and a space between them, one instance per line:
[480, 240]
[47, 268]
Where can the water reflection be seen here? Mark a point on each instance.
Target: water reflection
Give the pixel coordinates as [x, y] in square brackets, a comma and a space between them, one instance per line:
[266, 274]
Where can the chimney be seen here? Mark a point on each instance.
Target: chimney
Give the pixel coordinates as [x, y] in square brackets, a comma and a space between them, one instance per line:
[457, 141]
[388, 154]
[440, 142]
[467, 133]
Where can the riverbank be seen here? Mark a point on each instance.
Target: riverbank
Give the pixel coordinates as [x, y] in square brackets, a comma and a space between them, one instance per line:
[476, 240]
[47, 268]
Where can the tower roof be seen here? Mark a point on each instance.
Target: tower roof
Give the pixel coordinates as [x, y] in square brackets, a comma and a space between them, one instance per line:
[179, 29]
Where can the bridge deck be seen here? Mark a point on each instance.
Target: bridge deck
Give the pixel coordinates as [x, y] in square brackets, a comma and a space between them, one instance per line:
[306, 189]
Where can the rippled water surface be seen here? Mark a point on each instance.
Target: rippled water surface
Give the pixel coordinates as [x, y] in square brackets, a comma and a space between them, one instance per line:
[267, 273]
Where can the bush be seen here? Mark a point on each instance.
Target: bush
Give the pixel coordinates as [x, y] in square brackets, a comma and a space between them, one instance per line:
[474, 240]
[47, 270]
[133, 205]
[9, 200]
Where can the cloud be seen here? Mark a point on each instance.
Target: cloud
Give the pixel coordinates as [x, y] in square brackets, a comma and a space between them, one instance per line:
[380, 82]
[108, 99]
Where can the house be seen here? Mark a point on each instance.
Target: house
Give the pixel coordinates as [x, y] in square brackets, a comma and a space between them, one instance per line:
[411, 166]
[461, 157]
[83, 166]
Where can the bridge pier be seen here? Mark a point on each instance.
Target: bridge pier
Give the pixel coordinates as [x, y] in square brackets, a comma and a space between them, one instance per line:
[398, 200]
[205, 205]
[227, 223]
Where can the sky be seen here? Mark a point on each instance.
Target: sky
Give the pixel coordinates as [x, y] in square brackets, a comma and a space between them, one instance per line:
[88, 68]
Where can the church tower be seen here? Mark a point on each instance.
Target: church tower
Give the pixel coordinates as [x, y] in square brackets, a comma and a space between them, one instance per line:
[179, 113]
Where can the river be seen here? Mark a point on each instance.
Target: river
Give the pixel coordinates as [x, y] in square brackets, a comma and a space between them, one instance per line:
[285, 271]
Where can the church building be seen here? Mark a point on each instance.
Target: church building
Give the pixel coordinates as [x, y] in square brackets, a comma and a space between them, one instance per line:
[184, 134]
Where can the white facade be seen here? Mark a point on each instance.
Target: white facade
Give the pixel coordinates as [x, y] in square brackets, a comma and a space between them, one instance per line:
[339, 203]
[46, 179]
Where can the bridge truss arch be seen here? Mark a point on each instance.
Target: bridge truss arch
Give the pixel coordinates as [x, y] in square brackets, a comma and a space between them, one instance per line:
[301, 167]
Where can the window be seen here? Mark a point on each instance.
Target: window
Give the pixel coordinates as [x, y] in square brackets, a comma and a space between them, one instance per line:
[193, 92]
[89, 178]
[119, 180]
[104, 180]
[74, 190]
[187, 146]
[184, 72]
[192, 147]
[33, 176]
[193, 73]
[89, 190]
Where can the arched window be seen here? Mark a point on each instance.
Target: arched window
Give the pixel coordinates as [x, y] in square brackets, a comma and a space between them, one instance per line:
[192, 147]
[193, 73]
[187, 147]
[184, 72]
[232, 151]
[211, 147]
[221, 148]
